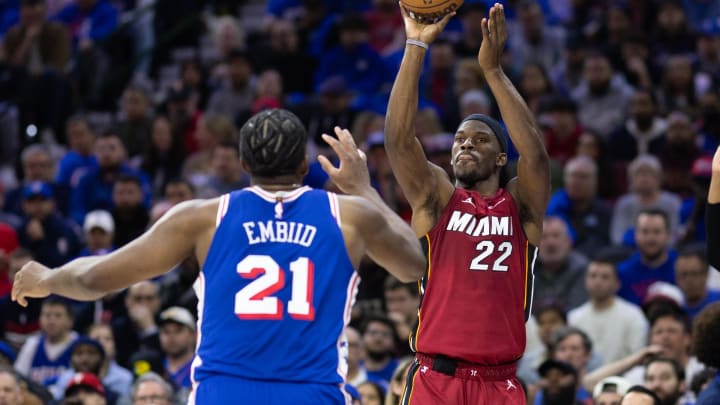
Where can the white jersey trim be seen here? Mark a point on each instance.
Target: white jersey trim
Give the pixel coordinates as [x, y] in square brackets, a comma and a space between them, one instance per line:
[199, 287]
[286, 195]
[335, 207]
[222, 208]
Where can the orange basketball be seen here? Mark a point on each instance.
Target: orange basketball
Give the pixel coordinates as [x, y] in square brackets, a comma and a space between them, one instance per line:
[429, 11]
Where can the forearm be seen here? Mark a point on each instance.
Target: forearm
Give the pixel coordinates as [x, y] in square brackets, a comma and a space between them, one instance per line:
[402, 107]
[714, 191]
[713, 234]
[517, 116]
[71, 280]
[615, 368]
[391, 217]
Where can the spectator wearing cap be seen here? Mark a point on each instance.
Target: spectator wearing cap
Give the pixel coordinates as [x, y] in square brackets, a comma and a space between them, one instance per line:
[129, 213]
[177, 340]
[18, 323]
[559, 384]
[85, 388]
[353, 59]
[88, 356]
[79, 159]
[150, 388]
[114, 377]
[691, 274]
[237, 92]
[45, 356]
[137, 330]
[602, 96]
[653, 260]
[666, 379]
[95, 188]
[610, 390]
[629, 330]
[578, 204]
[645, 174]
[643, 132]
[706, 343]
[8, 244]
[52, 240]
[99, 228]
[561, 271]
[37, 164]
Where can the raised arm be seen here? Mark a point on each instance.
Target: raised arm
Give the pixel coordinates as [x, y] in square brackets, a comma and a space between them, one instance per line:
[420, 180]
[168, 242]
[713, 214]
[532, 187]
[376, 229]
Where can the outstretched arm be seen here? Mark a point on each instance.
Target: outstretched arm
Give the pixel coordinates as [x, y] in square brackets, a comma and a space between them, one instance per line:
[532, 188]
[418, 178]
[388, 240]
[168, 242]
[713, 214]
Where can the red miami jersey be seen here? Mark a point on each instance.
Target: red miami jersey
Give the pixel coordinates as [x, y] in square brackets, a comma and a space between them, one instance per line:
[477, 291]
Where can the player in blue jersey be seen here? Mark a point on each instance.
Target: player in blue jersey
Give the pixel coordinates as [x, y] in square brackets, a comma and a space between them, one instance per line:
[278, 260]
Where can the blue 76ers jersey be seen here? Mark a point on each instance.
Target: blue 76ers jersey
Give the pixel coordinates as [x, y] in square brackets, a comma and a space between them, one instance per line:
[276, 289]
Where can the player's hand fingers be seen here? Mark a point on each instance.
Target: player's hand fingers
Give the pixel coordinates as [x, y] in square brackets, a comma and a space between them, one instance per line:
[485, 29]
[502, 27]
[327, 166]
[337, 146]
[445, 20]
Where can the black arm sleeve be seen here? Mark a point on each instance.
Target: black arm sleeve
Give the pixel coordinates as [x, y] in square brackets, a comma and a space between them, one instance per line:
[712, 226]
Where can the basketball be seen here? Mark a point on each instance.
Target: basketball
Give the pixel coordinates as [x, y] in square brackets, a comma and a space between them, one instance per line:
[430, 11]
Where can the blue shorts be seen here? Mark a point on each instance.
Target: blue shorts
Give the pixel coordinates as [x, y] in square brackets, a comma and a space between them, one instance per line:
[231, 390]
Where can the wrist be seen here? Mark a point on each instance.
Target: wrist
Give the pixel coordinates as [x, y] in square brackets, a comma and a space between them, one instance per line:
[417, 43]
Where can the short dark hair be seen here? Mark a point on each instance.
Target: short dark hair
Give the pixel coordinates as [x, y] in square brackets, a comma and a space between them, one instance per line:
[671, 312]
[694, 250]
[129, 178]
[550, 305]
[392, 283]
[654, 212]
[379, 319]
[706, 335]
[679, 371]
[272, 143]
[227, 144]
[641, 389]
[179, 180]
[568, 331]
[56, 300]
[606, 259]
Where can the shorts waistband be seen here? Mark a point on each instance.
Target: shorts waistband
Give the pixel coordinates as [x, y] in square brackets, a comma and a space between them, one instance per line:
[461, 369]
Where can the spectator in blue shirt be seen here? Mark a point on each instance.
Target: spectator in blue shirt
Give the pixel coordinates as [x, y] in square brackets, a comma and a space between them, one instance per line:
[80, 158]
[89, 21]
[51, 239]
[94, 190]
[653, 261]
[354, 60]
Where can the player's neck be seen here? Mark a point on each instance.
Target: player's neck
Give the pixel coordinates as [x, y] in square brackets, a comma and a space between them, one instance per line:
[277, 184]
[485, 188]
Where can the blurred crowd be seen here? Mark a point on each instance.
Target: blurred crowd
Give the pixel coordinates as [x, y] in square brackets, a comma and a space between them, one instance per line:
[113, 111]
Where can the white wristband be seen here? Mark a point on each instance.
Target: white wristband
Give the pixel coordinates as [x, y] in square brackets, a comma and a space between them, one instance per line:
[417, 43]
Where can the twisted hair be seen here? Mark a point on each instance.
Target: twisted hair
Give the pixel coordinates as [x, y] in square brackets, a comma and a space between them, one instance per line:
[272, 143]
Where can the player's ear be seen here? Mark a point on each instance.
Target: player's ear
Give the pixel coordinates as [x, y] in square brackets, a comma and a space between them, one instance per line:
[244, 166]
[304, 167]
[501, 159]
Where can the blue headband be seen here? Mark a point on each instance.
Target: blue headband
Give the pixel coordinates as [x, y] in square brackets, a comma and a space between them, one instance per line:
[495, 126]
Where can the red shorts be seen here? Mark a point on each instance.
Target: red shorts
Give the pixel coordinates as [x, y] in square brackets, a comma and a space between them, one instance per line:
[440, 380]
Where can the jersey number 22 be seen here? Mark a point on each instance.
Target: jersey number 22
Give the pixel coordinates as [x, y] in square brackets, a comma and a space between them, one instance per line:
[255, 300]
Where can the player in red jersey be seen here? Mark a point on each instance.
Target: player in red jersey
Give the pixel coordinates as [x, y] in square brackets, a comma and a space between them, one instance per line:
[481, 233]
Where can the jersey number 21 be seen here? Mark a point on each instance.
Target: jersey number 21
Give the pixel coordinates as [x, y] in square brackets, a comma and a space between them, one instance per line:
[255, 300]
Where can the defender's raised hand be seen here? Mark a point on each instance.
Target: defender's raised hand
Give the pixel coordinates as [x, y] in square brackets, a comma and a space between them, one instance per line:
[423, 32]
[352, 176]
[494, 37]
[28, 283]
